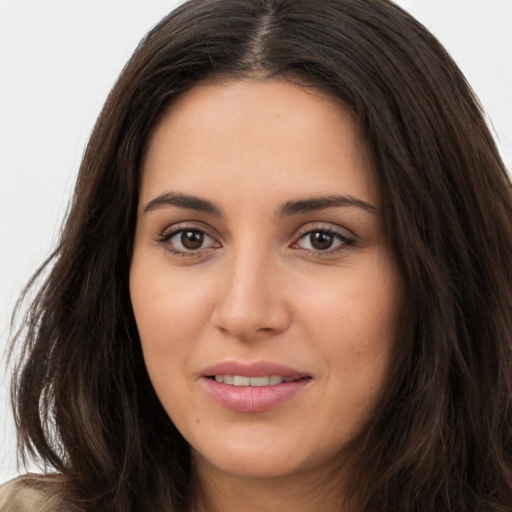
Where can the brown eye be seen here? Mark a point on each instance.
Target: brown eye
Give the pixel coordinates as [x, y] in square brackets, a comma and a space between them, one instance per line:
[188, 241]
[321, 240]
[192, 240]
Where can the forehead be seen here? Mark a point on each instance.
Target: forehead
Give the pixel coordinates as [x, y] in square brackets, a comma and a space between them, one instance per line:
[260, 136]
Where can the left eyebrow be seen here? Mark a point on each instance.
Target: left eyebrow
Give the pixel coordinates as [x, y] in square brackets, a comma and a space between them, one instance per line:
[323, 202]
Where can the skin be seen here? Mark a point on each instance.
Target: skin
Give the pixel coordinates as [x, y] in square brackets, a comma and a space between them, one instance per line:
[257, 289]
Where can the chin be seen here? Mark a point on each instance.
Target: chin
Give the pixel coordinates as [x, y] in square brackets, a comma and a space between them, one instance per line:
[249, 464]
[262, 457]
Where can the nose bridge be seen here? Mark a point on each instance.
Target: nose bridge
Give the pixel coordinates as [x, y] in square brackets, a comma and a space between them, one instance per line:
[250, 301]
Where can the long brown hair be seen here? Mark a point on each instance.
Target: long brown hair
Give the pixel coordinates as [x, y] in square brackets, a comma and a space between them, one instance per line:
[441, 438]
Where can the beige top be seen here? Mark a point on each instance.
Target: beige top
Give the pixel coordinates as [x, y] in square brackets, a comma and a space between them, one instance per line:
[31, 493]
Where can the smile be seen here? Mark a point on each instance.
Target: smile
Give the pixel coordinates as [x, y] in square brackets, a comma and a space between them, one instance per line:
[251, 387]
[242, 380]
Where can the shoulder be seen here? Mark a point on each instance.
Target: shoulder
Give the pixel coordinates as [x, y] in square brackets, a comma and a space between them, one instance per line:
[32, 493]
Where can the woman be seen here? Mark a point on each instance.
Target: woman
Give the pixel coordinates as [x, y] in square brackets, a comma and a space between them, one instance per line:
[285, 279]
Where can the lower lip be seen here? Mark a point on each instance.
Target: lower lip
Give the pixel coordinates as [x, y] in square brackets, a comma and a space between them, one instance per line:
[253, 398]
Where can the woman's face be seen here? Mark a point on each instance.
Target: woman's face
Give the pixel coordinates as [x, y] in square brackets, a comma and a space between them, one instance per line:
[264, 289]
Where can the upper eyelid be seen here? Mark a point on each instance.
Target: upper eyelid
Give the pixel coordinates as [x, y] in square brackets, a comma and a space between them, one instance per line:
[167, 235]
[329, 227]
[182, 226]
[172, 233]
[348, 240]
[309, 227]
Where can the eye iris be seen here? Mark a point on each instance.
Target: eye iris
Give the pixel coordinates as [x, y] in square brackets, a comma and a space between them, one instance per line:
[192, 239]
[321, 240]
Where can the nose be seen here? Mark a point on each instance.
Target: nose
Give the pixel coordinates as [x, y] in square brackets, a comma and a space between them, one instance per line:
[251, 302]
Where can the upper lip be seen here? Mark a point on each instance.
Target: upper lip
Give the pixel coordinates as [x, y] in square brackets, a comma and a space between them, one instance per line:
[253, 369]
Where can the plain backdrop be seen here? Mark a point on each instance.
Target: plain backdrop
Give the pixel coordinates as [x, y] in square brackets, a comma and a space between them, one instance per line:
[59, 59]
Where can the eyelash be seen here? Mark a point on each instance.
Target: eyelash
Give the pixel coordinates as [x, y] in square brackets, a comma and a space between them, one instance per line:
[345, 241]
[165, 239]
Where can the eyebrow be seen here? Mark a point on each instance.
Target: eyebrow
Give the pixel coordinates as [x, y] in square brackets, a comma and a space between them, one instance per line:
[289, 208]
[323, 202]
[182, 201]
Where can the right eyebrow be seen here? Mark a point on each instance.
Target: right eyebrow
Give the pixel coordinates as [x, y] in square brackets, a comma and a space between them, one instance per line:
[182, 201]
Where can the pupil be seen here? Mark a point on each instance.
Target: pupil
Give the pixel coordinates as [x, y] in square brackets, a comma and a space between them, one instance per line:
[192, 239]
[321, 240]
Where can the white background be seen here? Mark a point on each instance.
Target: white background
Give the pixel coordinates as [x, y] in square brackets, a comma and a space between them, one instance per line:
[59, 59]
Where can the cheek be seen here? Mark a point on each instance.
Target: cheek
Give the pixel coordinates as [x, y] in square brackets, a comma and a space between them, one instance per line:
[166, 305]
[354, 322]
[169, 320]
[171, 316]
[360, 310]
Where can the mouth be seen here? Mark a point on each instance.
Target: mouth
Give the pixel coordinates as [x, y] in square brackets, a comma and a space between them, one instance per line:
[254, 387]
[244, 380]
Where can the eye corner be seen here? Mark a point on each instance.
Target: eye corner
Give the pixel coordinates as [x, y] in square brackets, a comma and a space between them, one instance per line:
[323, 240]
[187, 240]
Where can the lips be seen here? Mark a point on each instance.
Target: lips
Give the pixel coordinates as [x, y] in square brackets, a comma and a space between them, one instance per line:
[254, 369]
[254, 387]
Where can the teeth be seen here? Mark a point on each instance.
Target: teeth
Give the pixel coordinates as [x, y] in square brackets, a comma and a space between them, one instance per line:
[238, 380]
[259, 381]
[241, 380]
